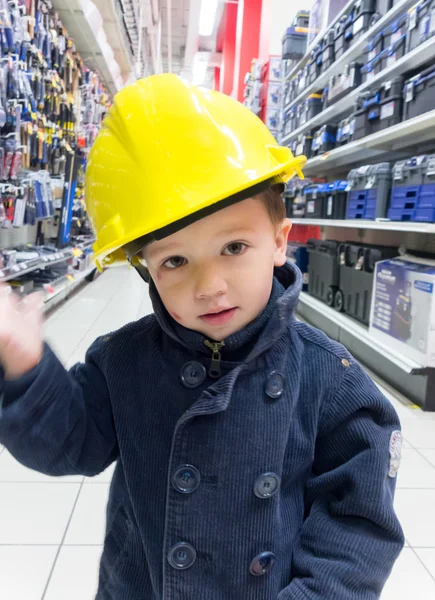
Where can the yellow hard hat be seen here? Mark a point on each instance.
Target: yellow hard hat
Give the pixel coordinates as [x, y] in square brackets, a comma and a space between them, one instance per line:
[169, 153]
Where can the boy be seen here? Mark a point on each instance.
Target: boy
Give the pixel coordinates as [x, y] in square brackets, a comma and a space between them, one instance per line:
[255, 459]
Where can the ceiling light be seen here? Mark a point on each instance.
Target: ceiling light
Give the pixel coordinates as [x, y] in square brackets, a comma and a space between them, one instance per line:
[207, 16]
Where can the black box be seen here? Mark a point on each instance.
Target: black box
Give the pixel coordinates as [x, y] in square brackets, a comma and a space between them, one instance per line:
[419, 21]
[314, 202]
[395, 31]
[419, 94]
[340, 43]
[324, 140]
[327, 51]
[323, 270]
[393, 53]
[359, 20]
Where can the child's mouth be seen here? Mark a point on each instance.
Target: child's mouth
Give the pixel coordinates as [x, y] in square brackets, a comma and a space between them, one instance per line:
[219, 318]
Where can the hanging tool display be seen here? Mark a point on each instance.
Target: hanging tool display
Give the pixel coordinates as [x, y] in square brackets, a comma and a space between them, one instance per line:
[51, 109]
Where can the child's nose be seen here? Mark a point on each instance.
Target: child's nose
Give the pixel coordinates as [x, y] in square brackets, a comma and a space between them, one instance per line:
[210, 283]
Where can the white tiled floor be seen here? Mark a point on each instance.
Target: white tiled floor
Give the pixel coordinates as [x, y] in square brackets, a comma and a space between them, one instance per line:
[51, 530]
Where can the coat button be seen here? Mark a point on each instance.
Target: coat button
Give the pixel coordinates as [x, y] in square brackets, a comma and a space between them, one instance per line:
[267, 485]
[182, 556]
[193, 374]
[262, 563]
[275, 385]
[186, 479]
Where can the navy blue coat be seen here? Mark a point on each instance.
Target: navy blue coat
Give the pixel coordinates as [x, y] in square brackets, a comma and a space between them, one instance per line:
[270, 482]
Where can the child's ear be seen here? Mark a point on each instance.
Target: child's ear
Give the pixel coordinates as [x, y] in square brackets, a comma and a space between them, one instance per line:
[281, 242]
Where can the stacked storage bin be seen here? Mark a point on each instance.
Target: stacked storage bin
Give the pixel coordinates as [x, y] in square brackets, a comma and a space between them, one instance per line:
[323, 270]
[421, 23]
[324, 140]
[345, 130]
[326, 200]
[359, 20]
[357, 266]
[294, 42]
[369, 192]
[413, 193]
[272, 86]
[379, 109]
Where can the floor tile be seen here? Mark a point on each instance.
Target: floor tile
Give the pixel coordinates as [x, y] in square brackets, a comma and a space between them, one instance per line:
[75, 576]
[427, 556]
[105, 477]
[89, 519]
[12, 470]
[415, 471]
[429, 455]
[415, 510]
[409, 580]
[24, 571]
[419, 433]
[35, 513]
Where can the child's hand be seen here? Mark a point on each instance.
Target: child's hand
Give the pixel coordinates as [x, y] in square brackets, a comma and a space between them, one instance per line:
[21, 345]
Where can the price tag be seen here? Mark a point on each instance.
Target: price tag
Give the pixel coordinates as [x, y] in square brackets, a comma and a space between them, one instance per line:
[358, 25]
[432, 22]
[409, 92]
[23, 266]
[387, 110]
[413, 19]
[15, 269]
[310, 207]
[2, 274]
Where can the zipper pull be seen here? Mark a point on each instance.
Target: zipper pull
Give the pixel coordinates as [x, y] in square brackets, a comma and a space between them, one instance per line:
[215, 367]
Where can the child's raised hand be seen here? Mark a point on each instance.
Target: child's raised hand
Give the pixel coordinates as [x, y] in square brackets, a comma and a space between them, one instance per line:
[21, 344]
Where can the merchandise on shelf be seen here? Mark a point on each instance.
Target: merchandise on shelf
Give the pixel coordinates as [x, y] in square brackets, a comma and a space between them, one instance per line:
[369, 191]
[324, 140]
[334, 197]
[403, 311]
[360, 18]
[379, 109]
[345, 130]
[309, 108]
[341, 84]
[393, 53]
[298, 254]
[395, 31]
[327, 51]
[413, 192]
[294, 42]
[322, 14]
[314, 65]
[419, 93]
[323, 270]
[301, 146]
[340, 42]
[374, 47]
[357, 265]
[421, 23]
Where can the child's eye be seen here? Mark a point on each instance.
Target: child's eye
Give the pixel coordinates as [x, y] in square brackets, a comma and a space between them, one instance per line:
[175, 262]
[234, 248]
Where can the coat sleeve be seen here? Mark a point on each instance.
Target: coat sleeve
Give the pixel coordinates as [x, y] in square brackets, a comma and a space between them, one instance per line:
[351, 537]
[59, 422]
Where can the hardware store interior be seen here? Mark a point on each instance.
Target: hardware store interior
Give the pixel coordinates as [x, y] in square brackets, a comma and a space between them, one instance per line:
[350, 85]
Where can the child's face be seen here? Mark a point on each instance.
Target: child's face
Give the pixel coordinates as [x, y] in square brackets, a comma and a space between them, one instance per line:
[215, 276]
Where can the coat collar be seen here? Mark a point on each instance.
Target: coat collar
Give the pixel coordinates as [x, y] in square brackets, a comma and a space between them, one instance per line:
[260, 334]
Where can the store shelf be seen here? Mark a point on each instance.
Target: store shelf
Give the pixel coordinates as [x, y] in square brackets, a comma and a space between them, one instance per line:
[65, 286]
[23, 268]
[413, 60]
[352, 53]
[383, 225]
[408, 133]
[86, 41]
[361, 333]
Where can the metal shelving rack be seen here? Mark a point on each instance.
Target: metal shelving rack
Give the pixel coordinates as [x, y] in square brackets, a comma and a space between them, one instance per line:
[410, 137]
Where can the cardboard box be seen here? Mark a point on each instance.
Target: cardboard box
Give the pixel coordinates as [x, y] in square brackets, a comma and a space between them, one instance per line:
[403, 307]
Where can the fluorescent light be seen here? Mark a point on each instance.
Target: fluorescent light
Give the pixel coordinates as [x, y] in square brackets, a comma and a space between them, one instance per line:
[199, 69]
[207, 16]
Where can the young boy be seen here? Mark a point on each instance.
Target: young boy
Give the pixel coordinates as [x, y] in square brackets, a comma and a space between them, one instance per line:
[255, 458]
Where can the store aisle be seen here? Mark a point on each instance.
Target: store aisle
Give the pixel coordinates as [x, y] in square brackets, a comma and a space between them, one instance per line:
[51, 530]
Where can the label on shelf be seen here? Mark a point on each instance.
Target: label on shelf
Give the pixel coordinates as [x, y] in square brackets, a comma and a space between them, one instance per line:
[2, 274]
[412, 21]
[15, 269]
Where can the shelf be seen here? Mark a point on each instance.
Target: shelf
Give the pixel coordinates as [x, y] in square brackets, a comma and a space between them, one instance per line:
[375, 146]
[361, 333]
[413, 60]
[351, 54]
[71, 282]
[382, 225]
[80, 21]
[28, 266]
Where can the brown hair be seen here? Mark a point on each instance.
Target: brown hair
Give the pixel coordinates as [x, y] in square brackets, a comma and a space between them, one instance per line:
[273, 203]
